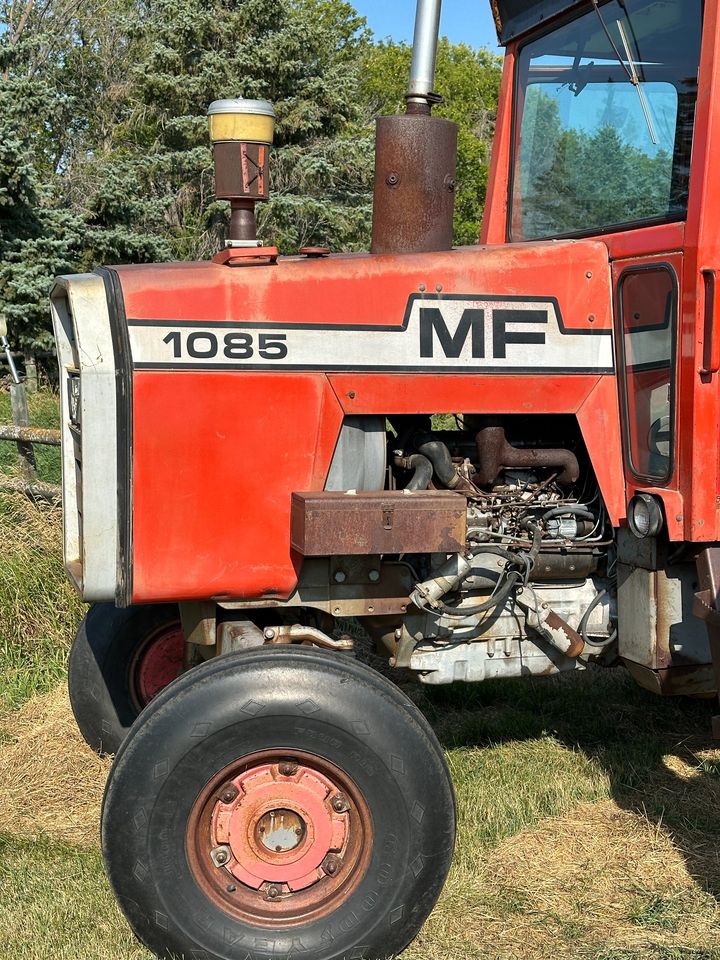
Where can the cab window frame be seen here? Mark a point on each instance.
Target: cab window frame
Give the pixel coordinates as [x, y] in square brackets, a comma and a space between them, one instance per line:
[622, 372]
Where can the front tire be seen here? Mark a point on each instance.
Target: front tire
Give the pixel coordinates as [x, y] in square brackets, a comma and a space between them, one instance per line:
[120, 660]
[287, 802]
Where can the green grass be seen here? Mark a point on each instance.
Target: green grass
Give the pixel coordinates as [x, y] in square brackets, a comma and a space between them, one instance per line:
[56, 904]
[39, 610]
[44, 412]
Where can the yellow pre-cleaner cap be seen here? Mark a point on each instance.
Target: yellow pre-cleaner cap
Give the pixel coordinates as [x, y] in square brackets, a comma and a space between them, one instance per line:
[241, 119]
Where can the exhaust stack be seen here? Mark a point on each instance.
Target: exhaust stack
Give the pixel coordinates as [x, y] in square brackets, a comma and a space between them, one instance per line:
[416, 157]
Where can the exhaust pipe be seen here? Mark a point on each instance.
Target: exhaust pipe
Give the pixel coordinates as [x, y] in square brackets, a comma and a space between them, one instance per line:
[420, 96]
[416, 158]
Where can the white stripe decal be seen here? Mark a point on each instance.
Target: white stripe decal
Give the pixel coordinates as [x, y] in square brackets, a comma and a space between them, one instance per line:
[453, 334]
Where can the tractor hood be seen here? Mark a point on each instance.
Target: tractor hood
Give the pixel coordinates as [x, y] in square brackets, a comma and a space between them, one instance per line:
[513, 17]
[196, 395]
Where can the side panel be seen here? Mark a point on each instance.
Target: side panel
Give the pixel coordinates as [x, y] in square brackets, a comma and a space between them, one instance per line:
[215, 457]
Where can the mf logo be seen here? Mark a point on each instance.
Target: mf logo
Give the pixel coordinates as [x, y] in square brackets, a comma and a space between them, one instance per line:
[506, 326]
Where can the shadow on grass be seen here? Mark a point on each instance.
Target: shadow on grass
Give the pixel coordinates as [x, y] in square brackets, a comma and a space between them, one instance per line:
[650, 749]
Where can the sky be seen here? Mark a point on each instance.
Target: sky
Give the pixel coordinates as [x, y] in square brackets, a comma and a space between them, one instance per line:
[463, 21]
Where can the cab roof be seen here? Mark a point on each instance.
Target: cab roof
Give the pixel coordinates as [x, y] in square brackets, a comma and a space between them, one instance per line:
[513, 17]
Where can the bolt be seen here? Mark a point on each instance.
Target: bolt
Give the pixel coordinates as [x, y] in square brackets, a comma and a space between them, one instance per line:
[423, 288]
[589, 274]
[220, 856]
[544, 606]
[273, 892]
[374, 576]
[269, 633]
[392, 179]
[231, 888]
[298, 832]
[331, 865]
[288, 769]
[339, 803]
[352, 394]
[591, 318]
[340, 576]
[229, 793]
[278, 849]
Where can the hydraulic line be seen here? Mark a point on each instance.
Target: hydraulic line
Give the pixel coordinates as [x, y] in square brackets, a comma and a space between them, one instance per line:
[582, 629]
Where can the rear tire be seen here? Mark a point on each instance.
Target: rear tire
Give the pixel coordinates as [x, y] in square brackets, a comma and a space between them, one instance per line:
[321, 792]
[120, 660]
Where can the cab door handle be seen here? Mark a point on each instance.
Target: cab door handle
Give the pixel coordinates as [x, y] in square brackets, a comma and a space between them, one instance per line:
[711, 335]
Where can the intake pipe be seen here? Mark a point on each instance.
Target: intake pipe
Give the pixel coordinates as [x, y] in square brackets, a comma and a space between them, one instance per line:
[416, 158]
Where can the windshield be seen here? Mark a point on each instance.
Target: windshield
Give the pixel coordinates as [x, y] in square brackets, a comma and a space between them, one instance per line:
[604, 117]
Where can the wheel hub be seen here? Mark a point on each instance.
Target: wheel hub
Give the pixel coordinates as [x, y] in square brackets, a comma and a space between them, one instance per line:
[159, 663]
[280, 829]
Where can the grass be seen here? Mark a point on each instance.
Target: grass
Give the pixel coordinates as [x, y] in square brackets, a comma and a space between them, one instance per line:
[588, 809]
[43, 411]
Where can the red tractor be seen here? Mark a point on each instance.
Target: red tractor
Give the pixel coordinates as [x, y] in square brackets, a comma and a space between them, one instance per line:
[501, 460]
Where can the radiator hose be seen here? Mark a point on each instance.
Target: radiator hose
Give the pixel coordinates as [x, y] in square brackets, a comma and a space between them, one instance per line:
[439, 456]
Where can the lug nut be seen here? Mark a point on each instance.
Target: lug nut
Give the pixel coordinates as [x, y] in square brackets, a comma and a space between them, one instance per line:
[288, 769]
[229, 793]
[339, 804]
[231, 888]
[331, 865]
[273, 892]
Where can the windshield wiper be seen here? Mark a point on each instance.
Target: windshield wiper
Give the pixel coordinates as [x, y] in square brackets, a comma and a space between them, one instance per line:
[630, 67]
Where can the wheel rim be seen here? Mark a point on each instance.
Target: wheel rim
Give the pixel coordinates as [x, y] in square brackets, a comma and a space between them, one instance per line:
[279, 838]
[157, 662]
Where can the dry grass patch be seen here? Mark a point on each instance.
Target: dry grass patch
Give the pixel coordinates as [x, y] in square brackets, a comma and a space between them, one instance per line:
[596, 882]
[51, 782]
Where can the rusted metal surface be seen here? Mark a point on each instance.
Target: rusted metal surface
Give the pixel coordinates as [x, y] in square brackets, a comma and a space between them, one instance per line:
[318, 590]
[35, 490]
[279, 839]
[297, 633]
[415, 169]
[687, 681]
[30, 435]
[329, 523]
[247, 256]
[241, 170]
[495, 453]
[550, 625]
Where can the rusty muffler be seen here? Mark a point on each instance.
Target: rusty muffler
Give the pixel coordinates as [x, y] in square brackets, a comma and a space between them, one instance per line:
[416, 158]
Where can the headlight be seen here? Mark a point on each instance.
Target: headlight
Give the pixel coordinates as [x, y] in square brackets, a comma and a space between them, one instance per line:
[645, 516]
